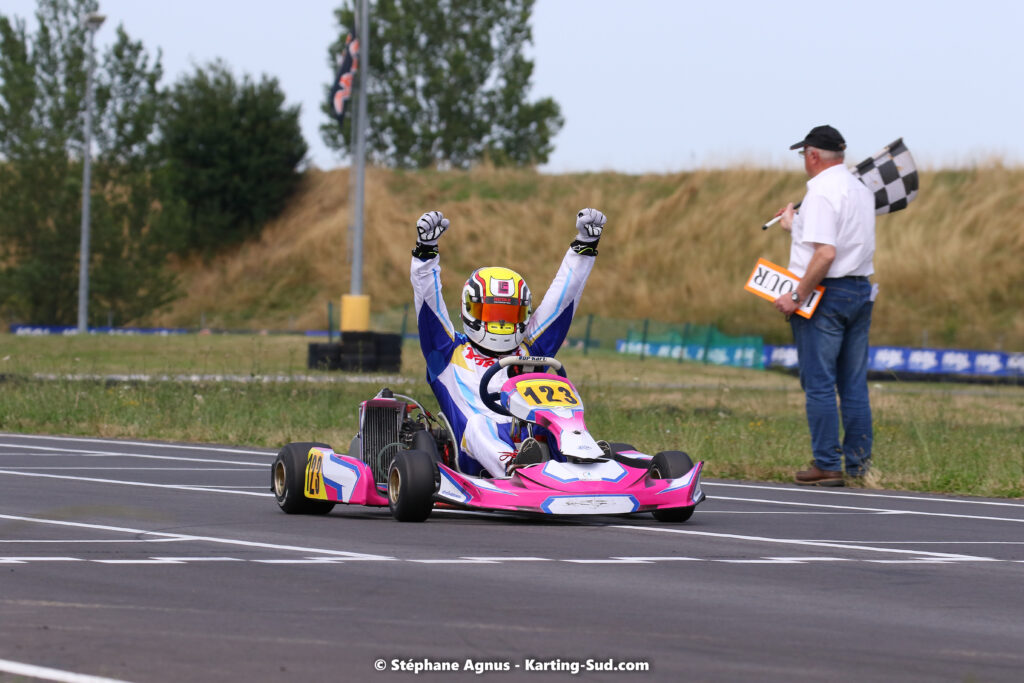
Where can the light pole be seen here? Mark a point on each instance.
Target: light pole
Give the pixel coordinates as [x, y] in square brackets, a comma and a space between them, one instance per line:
[360, 146]
[355, 306]
[91, 22]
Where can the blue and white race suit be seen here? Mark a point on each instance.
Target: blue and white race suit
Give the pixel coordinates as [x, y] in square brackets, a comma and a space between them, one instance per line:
[455, 367]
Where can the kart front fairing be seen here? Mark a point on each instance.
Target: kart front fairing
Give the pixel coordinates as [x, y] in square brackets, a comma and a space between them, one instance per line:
[552, 403]
[598, 487]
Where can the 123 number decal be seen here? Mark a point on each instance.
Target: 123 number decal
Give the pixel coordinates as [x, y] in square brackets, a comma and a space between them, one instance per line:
[548, 393]
[315, 475]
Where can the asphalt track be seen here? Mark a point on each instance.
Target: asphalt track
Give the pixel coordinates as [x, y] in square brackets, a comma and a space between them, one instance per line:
[167, 562]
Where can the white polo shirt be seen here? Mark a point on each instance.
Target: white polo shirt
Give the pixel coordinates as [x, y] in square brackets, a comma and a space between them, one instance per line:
[838, 210]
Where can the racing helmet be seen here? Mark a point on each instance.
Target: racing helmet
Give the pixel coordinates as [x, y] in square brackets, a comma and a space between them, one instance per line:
[496, 304]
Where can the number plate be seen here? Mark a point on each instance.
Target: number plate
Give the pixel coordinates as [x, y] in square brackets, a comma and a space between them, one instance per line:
[314, 487]
[547, 393]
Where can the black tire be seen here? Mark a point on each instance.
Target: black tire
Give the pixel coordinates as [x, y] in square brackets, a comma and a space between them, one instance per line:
[411, 486]
[423, 440]
[617, 447]
[287, 480]
[671, 465]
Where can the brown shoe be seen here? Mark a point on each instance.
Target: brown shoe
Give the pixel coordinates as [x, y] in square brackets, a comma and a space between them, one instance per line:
[817, 477]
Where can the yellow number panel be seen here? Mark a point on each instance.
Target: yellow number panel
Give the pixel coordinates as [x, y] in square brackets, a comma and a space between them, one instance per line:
[547, 393]
[315, 475]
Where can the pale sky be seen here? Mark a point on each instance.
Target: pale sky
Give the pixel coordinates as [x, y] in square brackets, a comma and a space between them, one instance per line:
[669, 85]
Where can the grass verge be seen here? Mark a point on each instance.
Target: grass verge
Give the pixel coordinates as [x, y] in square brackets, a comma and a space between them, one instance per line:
[256, 391]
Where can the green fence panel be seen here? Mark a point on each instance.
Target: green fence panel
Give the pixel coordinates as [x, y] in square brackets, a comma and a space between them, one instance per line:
[641, 338]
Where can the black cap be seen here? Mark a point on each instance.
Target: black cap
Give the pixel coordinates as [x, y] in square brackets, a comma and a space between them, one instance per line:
[822, 137]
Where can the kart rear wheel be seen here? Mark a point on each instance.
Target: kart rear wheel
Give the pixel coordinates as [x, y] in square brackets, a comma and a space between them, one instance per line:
[423, 440]
[671, 465]
[288, 477]
[411, 486]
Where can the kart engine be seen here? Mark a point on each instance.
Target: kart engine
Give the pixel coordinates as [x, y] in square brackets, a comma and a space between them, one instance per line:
[381, 421]
[387, 425]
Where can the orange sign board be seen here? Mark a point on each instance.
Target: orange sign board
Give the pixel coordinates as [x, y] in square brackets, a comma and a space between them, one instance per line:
[770, 281]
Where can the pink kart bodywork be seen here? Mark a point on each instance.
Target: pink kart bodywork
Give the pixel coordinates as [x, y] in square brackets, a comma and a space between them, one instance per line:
[600, 487]
[554, 404]
[582, 477]
[557, 488]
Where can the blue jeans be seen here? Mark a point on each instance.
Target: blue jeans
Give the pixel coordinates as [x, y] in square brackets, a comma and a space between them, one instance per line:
[833, 355]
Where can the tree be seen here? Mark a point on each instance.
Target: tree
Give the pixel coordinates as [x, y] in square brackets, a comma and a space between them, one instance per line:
[448, 85]
[138, 217]
[233, 152]
[42, 96]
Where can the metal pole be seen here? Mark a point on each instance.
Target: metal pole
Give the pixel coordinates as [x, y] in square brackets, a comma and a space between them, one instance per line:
[363, 75]
[92, 23]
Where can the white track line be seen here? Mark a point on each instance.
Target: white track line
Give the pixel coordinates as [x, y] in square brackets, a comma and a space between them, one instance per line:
[178, 487]
[240, 451]
[508, 559]
[45, 673]
[134, 469]
[815, 544]
[188, 537]
[455, 560]
[661, 559]
[835, 492]
[461, 560]
[90, 540]
[137, 561]
[880, 511]
[200, 559]
[22, 560]
[91, 454]
[610, 560]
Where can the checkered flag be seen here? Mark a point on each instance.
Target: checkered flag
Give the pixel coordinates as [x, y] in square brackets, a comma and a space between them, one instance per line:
[891, 175]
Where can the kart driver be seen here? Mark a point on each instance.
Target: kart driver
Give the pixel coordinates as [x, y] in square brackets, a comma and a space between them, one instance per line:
[498, 320]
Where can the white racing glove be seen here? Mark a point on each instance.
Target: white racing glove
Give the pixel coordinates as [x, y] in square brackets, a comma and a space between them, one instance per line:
[589, 224]
[430, 227]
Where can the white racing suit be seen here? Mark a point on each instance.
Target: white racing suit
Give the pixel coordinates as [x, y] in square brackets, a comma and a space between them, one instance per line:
[455, 366]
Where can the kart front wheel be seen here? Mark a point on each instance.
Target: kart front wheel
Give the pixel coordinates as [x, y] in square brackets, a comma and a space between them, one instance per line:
[671, 465]
[411, 486]
[288, 479]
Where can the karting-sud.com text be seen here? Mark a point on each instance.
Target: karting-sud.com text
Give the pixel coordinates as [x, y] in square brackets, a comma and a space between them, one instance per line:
[569, 666]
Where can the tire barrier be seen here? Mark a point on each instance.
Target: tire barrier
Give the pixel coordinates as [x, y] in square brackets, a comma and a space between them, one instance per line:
[358, 352]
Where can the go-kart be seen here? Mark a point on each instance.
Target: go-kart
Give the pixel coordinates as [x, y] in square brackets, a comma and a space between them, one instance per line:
[405, 458]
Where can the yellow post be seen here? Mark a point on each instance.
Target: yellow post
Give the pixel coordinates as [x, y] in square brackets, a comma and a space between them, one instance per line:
[355, 313]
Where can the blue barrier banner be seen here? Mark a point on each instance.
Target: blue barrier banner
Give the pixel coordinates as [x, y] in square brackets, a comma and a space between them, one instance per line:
[44, 330]
[888, 358]
[1015, 364]
[736, 356]
[925, 361]
[780, 357]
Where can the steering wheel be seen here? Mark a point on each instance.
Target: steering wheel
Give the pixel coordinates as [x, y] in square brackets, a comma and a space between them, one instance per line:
[491, 398]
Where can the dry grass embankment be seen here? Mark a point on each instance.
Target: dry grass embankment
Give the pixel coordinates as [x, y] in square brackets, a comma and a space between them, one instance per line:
[678, 248]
